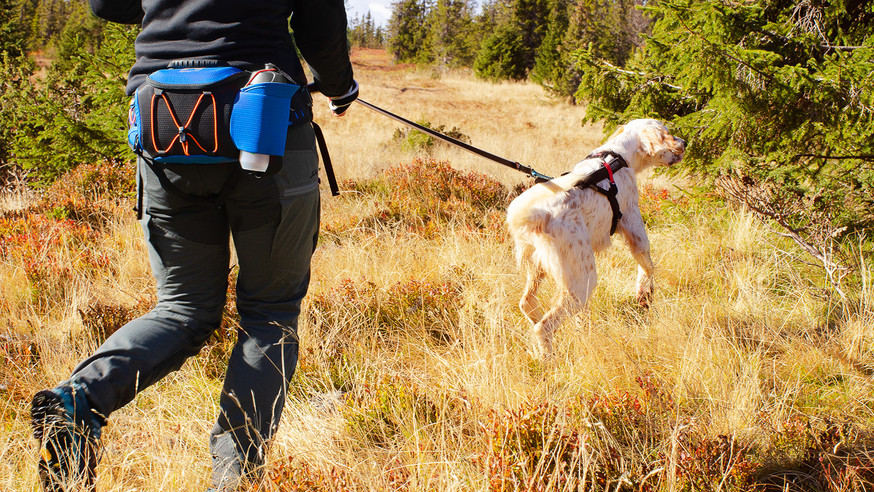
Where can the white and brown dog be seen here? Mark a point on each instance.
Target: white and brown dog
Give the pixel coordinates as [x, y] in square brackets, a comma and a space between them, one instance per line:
[559, 225]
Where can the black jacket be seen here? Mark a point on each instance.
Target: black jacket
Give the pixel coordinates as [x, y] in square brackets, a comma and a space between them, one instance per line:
[245, 33]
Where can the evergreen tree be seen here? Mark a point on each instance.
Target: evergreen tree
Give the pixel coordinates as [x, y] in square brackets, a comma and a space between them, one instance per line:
[451, 33]
[775, 99]
[42, 22]
[13, 35]
[50, 16]
[509, 51]
[553, 66]
[408, 27]
[529, 18]
[78, 113]
[363, 32]
[494, 13]
[611, 29]
[501, 56]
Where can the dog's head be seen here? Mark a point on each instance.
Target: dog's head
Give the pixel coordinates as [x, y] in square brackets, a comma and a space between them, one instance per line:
[646, 143]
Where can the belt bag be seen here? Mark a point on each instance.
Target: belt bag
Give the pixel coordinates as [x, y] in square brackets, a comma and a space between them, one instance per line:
[208, 114]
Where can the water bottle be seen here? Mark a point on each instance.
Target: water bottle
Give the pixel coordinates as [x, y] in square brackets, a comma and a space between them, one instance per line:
[250, 161]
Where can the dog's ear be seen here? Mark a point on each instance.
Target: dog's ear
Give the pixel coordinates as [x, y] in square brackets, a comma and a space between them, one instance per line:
[652, 139]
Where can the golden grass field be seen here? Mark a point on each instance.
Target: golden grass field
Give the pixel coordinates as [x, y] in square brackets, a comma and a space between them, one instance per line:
[416, 370]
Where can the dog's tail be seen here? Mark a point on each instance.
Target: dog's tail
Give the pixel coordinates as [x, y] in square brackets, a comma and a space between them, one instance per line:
[526, 225]
[524, 222]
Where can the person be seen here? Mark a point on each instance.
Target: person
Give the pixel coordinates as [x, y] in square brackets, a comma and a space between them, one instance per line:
[273, 220]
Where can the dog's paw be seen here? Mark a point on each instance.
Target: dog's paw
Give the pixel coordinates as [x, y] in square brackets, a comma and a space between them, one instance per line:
[644, 299]
[543, 344]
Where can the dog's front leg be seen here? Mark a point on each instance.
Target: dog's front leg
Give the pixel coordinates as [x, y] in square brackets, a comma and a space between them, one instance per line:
[635, 234]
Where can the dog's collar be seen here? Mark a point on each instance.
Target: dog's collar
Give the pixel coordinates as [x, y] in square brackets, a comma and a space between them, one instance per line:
[610, 163]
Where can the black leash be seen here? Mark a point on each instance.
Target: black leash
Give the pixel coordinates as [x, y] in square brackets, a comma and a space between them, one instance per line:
[611, 161]
[538, 177]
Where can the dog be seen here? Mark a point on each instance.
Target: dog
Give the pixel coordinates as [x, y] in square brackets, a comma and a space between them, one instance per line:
[558, 226]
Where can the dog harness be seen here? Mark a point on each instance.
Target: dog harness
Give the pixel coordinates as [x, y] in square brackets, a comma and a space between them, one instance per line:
[610, 163]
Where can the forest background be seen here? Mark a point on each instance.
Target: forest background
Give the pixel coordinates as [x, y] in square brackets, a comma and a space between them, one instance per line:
[761, 360]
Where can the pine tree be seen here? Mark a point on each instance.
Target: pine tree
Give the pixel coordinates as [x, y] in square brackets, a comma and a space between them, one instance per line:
[363, 32]
[501, 56]
[516, 32]
[78, 113]
[529, 17]
[409, 29]
[553, 66]
[13, 35]
[609, 28]
[451, 33]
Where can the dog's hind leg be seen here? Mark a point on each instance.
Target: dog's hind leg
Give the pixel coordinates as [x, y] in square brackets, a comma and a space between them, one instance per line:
[569, 302]
[577, 279]
[529, 304]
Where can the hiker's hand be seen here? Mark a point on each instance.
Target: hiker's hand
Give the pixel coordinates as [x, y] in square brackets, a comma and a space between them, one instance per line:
[340, 104]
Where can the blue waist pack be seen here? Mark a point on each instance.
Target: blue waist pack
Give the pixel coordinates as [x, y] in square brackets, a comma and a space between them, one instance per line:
[202, 112]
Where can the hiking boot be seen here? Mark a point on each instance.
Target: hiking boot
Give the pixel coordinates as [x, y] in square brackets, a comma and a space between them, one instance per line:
[68, 433]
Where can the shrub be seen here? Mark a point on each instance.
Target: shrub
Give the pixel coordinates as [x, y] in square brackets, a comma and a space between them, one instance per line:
[295, 475]
[533, 448]
[426, 196]
[412, 140]
[817, 454]
[624, 442]
[704, 462]
[19, 367]
[53, 255]
[93, 194]
[102, 319]
[383, 413]
[605, 442]
[436, 181]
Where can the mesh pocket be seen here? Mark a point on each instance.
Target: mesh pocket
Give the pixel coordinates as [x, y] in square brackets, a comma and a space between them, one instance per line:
[184, 114]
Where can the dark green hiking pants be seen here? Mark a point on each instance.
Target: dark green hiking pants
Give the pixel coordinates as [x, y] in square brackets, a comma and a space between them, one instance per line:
[274, 223]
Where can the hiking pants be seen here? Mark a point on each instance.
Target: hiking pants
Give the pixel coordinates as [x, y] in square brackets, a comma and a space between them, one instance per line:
[189, 211]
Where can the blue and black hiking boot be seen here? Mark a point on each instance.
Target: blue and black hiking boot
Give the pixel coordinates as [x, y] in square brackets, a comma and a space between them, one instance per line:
[68, 433]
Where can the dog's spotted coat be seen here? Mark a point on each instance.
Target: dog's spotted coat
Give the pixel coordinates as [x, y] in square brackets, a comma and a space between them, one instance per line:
[558, 228]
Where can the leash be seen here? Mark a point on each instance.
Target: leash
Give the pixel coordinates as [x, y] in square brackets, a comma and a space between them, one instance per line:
[538, 177]
[611, 161]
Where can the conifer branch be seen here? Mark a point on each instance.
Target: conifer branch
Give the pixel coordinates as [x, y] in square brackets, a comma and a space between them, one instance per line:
[640, 74]
[863, 157]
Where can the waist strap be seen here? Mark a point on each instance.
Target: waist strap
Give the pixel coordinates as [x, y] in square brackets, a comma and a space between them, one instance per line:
[326, 158]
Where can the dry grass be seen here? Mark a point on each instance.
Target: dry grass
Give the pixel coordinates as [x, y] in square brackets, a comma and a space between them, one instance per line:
[493, 116]
[416, 370]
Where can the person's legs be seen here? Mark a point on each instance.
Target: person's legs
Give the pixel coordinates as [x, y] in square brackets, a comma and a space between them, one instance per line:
[187, 240]
[274, 268]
